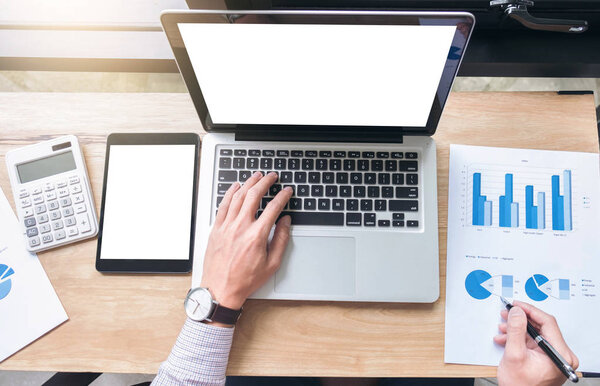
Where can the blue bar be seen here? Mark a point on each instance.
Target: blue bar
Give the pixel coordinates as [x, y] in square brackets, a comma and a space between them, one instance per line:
[514, 215]
[557, 205]
[476, 196]
[529, 207]
[563, 288]
[541, 210]
[507, 286]
[567, 218]
[487, 213]
[534, 217]
[506, 201]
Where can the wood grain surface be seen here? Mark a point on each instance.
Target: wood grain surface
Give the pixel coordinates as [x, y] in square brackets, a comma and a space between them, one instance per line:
[128, 323]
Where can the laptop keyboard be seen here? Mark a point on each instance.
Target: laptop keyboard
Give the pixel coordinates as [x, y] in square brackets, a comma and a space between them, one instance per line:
[371, 189]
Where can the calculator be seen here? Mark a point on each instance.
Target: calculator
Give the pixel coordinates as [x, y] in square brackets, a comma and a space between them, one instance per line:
[52, 193]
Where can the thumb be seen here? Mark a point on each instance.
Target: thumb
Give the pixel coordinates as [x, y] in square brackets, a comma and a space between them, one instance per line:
[516, 335]
[280, 239]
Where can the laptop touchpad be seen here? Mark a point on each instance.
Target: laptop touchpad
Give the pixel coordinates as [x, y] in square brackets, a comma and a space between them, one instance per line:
[319, 266]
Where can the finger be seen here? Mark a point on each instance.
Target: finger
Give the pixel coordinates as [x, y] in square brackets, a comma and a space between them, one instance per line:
[535, 314]
[238, 198]
[279, 242]
[502, 327]
[500, 339]
[274, 208]
[224, 205]
[516, 331]
[255, 194]
[504, 314]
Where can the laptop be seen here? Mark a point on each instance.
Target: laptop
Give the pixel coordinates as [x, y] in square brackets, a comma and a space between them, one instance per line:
[342, 105]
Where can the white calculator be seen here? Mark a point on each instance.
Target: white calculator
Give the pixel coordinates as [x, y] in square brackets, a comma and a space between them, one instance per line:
[52, 193]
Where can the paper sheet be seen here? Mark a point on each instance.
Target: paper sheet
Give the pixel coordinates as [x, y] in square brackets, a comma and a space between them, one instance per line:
[524, 224]
[29, 307]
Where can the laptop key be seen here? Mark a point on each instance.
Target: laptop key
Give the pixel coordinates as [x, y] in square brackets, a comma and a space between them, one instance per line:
[359, 191]
[300, 177]
[404, 205]
[280, 163]
[308, 164]
[321, 164]
[314, 177]
[383, 223]
[297, 153]
[239, 163]
[224, 163]
[331, 190]
[316, 191]
[380, 205]
[303, 191]
[397, 154]
[356, 178]
[349, 164]
[368, 154]
[295, 203]
[383, 154]
[310, 204]
[310, 153]
[328, 178]
[222, 188]
[266, 163]
[286, 177]
[398, 216]
[244, 175]
[265, 201]
[387, 192]
[412, 223]
[227, 176]
[283, 153]
[341, 178]
[324, 203]
[377, 165]
[352, 205]
[268, 153]
[397, 223]
[363, 165]
[226, 152]
[391, 166]
[412, 179]
[345, 191]
[254, 153]
[339, 154]
[335, 164]
[398, 179]
[373, 191]
[353, 219]
[325, 153]
[411, 155]
[294, 164]
[337, 204]
[252, 163]
[354, 154]
[366, 205]
[369, 219]
[370, 178]
[407, 166]
[274, 189]
[240, 152]
[402, 192]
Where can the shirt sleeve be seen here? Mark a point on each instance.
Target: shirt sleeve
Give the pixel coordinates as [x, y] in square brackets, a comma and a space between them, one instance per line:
[199, 356]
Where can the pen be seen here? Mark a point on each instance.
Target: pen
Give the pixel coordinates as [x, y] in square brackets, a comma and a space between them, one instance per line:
[558, 360]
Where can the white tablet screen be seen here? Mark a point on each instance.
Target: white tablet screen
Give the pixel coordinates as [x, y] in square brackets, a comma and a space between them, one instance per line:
[148, 204]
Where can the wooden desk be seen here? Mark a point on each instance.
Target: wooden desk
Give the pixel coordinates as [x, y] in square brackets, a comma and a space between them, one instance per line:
[128, 323]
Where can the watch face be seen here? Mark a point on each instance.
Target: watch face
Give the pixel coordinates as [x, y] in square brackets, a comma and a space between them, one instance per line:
[198, 304]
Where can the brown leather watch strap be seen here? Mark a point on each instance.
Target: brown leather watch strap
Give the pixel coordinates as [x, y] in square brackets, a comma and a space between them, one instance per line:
[225, 315]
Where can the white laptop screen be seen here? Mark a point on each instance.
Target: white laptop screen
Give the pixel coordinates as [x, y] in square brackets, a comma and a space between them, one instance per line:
[314, 74]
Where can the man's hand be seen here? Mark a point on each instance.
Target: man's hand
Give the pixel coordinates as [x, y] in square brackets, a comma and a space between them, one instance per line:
[239, 259]
[523, 362]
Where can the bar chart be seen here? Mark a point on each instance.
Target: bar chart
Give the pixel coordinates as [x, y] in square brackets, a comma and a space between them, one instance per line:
[527, 198]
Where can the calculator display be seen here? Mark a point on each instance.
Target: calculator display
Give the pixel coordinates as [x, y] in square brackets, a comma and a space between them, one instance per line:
[45, 167]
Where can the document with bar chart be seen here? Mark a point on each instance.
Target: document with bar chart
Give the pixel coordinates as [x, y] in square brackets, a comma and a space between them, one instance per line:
[522, 224]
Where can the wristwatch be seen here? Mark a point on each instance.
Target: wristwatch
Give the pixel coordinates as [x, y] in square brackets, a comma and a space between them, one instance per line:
[200, 306]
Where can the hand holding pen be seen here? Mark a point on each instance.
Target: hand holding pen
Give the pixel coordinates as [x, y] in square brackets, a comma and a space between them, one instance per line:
[524, 362]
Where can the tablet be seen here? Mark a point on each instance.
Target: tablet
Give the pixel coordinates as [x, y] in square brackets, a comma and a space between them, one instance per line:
[148, 211]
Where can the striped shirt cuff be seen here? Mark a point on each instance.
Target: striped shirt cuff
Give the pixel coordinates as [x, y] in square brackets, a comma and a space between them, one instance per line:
[199, 356]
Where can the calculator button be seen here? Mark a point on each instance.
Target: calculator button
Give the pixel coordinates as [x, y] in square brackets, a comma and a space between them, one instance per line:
[65, 202]
[78, 199]
[37, 190]
[67, 212]
[61, 184]
[47, 238]
[73, 180]
[32, 232]
[29, 222]
[59, 235]
[38, 199]
[27, 212]
[84, 223]
[42, 218]
[72, 231]
[58, 224]
[48, 187]
[54, 215]
[40, 209]
[34, 241]
[44, 228]
[70, 221]
[75, 189]
[23, 193]
[25, 203]
[50, 196]
[80, 208]
[53, 205]
[63, 192]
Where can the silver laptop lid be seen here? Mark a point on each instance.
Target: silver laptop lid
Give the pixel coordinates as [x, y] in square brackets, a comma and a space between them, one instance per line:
[319, 71]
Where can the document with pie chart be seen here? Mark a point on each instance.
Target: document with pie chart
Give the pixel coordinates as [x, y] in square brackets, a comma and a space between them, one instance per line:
[525, 225]
[29, 307]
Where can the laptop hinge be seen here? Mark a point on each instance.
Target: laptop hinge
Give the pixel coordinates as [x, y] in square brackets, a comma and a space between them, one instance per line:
[368, 135]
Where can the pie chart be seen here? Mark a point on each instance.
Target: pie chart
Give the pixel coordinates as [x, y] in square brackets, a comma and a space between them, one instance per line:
[532, 287]
[5, 282]
[473, 284]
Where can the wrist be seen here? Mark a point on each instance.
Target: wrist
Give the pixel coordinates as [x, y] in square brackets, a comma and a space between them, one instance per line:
[225, 298]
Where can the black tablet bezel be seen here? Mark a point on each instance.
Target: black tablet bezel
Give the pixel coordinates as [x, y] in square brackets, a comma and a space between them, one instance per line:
[149, 266]
[171, 19]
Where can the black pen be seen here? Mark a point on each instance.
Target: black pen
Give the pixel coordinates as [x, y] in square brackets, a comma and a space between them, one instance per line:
[558, 360]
